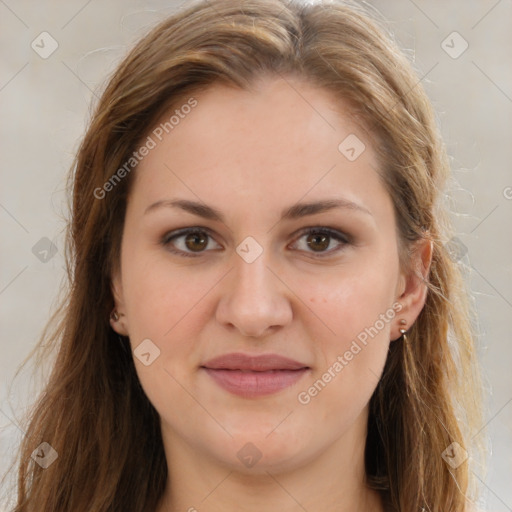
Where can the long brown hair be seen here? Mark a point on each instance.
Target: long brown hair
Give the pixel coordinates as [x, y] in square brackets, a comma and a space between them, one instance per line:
[94, 412]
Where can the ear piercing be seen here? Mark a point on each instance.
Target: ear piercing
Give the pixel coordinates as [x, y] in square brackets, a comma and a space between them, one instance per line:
[402, 329]
[114, 316]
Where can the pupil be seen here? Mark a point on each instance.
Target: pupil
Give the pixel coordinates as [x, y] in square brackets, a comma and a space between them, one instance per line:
[323, 243]
[196, 238]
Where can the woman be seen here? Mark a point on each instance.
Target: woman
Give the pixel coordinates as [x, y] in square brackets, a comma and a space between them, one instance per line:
[261, 314]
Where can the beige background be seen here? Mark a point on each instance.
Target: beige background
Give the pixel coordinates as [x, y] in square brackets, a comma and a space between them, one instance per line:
[45, 102]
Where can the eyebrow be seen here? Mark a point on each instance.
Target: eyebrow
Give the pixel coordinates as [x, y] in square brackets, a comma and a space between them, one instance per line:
[295, 211]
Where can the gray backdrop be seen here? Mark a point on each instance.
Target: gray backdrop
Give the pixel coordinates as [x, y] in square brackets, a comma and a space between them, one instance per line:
[54, 58]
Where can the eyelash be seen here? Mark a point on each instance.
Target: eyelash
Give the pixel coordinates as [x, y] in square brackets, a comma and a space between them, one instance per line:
[331, 233]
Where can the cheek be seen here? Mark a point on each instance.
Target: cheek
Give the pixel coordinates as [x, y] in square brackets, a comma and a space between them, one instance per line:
[357, 309]
[165, 304]
[160, 295]
[353, 299]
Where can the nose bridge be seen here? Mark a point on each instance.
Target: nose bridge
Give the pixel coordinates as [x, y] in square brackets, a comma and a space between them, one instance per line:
[252, 280]
[253, 299]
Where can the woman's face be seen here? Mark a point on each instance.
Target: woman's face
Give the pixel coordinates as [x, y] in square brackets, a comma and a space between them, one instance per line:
[247, 174]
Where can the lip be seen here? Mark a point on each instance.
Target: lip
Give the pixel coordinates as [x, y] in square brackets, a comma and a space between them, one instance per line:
[259, 363]
[254, 376]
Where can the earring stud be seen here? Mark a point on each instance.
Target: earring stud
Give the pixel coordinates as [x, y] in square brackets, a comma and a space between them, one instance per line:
[403, 330]
[114, 316]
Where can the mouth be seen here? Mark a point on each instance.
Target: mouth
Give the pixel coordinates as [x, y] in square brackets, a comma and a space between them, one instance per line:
[254, 376]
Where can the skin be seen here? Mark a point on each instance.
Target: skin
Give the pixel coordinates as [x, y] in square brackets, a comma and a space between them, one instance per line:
[251, 155]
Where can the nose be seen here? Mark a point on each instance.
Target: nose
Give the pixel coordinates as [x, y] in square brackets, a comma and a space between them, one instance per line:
[254, 300]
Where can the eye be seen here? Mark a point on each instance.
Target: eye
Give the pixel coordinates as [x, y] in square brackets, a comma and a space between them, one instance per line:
[192, 242]
[188, 241]
[321, 240]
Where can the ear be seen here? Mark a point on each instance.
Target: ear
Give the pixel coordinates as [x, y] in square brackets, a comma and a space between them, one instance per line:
[120, 325]
[412, 287]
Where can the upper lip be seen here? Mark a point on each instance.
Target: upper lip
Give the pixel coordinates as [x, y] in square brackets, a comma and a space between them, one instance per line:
[259, 363]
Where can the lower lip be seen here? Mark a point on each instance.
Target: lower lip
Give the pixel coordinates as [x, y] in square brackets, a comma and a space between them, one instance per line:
[254, 384]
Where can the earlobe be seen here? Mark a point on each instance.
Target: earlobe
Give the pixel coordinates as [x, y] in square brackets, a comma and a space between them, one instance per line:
[414, 283]
[118, 320]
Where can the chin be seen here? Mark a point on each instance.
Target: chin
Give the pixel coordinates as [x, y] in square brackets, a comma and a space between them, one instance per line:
[256, 452]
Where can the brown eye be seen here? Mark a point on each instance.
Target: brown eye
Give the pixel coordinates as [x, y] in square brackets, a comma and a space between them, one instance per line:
[322, 241]
[318, 242]
[196, 241]
[189, 242]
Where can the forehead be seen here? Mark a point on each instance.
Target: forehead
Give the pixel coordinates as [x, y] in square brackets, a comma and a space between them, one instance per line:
[282, 140]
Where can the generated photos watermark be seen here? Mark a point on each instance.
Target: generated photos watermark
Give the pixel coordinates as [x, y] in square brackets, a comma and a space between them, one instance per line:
[151, 142]
[357, 345]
